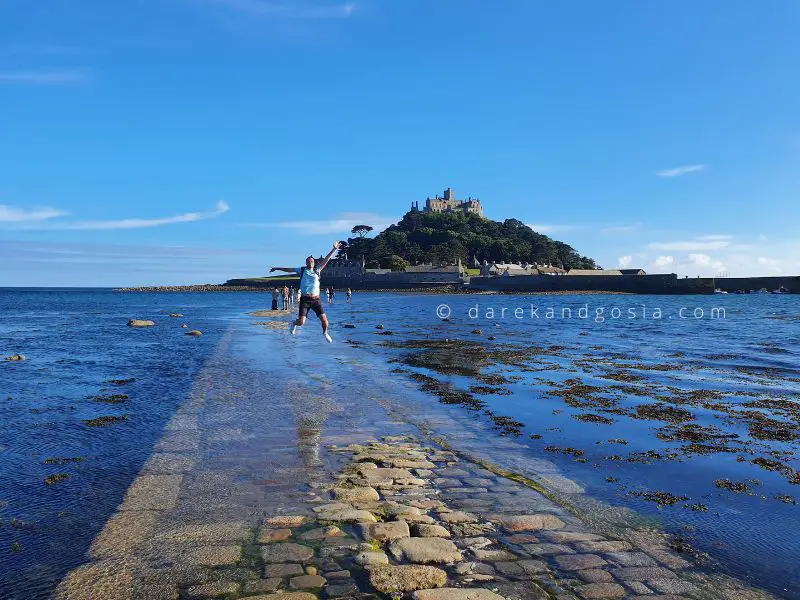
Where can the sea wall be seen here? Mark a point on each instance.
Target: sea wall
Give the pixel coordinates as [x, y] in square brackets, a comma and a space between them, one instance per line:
[633, 284]
[753, 284]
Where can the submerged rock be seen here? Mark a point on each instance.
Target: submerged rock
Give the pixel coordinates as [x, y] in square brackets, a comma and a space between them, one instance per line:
[194, 333]
[140, 323]
[176, 315]
[14, 357]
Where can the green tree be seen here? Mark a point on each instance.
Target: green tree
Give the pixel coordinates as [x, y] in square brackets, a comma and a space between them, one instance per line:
[361, 230]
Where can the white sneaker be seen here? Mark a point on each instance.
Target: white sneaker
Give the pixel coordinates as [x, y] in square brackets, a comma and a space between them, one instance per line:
[294, 329]
[328, 337]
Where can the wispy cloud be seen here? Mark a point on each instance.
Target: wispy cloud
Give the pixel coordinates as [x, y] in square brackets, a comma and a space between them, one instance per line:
[690, 246]
[624, 261]
[621, 228]
[714, 237]
[678, 171]
[553, 228]
[50, 77]
[13, 214]
[289, 9]
[341, 223]
[131, 223]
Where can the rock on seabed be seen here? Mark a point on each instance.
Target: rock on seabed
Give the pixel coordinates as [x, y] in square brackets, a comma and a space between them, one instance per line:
[14, 358]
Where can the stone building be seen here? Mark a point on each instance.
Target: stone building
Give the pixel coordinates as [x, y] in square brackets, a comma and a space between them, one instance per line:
[449, 203]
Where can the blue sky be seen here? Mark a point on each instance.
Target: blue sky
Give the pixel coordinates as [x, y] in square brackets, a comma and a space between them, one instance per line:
[190, 141]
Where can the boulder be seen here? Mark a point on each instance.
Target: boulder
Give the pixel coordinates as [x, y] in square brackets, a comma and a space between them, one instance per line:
[194, 332]
[406, 578]
[140, 323]
[15, 357]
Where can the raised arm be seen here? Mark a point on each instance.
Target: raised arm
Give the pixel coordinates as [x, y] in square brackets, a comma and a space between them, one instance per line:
[284, 269]
[325, 260]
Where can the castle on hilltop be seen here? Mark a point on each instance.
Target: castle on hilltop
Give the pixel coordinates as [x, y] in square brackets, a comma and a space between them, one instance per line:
[450, 204]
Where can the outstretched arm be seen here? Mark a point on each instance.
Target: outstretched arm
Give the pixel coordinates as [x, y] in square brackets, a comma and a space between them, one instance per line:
[325, 260]
[284, 269]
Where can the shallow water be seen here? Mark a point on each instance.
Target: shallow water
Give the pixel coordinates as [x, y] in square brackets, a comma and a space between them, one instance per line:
[77, 341]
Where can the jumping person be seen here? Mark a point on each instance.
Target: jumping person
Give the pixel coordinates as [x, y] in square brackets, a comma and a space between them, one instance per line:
[309, 290]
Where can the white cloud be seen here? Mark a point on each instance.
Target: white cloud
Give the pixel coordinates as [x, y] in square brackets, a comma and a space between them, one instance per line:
[700, 260]
[131, 223]
[620, 228]
[714, 237]
[690, 246]
[12, 214]
[678, 171]
[770, 264]
[289, 9]
[624, 261]
[341, 223]
[544, 228]
[54, 77]
[663, 261]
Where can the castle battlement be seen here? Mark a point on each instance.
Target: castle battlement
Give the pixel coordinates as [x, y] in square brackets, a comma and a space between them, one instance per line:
[449, 203]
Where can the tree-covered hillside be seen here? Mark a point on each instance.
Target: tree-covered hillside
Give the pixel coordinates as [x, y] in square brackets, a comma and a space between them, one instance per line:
[442, 238]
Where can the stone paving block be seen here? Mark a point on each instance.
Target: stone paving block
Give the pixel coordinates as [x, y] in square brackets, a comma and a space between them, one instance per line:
[600, 591]
[547, 549]
[637, 587]
[632, 559]
[672, 586]
[510, 569]
[343, 589]
[285, 521]
[406, 578]
[670, 559]
[152, 492]
[307, 582]
[533, 567]
[643, 573]
[595, 576]
[212, 590]
[456, 516]
[456, 594]
[522, 538]
[493, 555]
[283, 570]
[212, 556]
[213, 533]
[425, 550]
[561, 537]
[603, 546]
[262, 585]
[534, 522]
[123, 532]
[384, 532]
[423, 530]
[579, 562]
[287, 552]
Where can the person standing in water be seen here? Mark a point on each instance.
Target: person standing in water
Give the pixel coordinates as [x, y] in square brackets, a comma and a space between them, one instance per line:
[348, 294]
[309, 290]
[275, 299]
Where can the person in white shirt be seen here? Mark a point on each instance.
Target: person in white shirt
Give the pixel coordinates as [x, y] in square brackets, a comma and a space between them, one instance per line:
[309, 290]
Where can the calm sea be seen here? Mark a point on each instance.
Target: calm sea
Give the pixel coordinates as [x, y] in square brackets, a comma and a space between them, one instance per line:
[684, 409]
